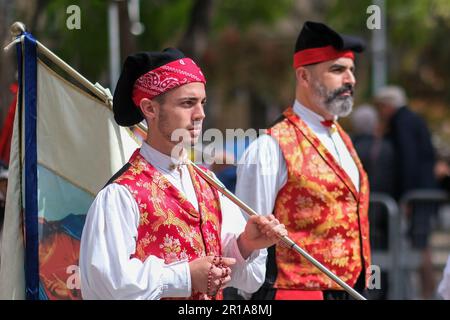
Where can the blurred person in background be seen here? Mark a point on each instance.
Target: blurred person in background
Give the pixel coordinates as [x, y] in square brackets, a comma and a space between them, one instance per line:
[375, 151]
[411, 139]
[377, 156]
[414, 169]
[442, 173]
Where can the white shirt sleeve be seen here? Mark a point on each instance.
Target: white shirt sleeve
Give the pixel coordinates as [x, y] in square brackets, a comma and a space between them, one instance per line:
[108, 240]
[247, 274]
[261, 173]
[444, 285]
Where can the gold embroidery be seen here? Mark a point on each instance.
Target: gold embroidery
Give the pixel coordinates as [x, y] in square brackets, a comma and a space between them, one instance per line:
[319, 209]
[208, 216]
[172, 251]
[168, 226]
[318, 168]
[138, 167]
[143, 218]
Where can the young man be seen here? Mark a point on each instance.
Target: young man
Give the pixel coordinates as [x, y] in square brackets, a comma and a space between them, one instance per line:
[306, 171]
[158, 230]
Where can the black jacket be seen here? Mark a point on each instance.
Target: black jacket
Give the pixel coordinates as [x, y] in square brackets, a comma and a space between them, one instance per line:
[415, 158]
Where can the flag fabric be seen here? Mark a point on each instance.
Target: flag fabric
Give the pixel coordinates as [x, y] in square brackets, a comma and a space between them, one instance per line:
[6, 131]
[12, 274]
[66, 145]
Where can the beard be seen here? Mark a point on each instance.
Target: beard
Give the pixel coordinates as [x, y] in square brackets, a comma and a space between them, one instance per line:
[163, 126]
[332, 101]
[175, 136]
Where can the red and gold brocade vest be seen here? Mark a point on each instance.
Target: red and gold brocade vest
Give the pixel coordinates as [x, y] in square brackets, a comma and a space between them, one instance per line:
[322, 210]
[169, 225]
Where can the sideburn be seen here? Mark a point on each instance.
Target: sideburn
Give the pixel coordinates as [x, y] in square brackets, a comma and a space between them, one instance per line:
[163, 119]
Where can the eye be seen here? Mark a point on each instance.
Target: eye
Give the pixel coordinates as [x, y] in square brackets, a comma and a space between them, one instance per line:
[337, 70]
[187, 103]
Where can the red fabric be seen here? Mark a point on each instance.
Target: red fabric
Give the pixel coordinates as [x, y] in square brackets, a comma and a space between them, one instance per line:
[298, 295]
[316, 55]
[327, 216]
[165, 78]
[57, 252]
[327, 123]
[169, 226]
[7, 129]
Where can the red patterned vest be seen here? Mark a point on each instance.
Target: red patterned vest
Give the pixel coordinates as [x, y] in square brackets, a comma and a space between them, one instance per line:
[322, 210]
[169, 226]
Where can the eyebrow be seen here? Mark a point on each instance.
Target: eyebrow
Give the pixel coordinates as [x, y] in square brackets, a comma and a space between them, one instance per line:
[341, 66]
[187, 98]
[190, 99]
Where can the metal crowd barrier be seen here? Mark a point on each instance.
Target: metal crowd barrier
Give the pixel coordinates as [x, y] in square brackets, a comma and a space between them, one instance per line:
[386, 253]
[395, 255]
[410, 257]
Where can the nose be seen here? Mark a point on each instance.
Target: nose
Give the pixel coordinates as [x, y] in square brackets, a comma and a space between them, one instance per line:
[199, 112]
[350, 78]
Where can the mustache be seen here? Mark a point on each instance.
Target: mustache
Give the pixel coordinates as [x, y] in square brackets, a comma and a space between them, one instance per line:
[335, 94]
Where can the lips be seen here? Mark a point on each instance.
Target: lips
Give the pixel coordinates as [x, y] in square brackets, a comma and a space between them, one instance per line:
[344, 91]
[195, 131]
[347, 93]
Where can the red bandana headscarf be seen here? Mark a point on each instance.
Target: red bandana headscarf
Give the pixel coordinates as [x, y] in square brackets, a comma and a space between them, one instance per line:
[165, 78]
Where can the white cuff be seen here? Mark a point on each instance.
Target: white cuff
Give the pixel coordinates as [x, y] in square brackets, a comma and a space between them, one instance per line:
[176, 280]
[237, 253]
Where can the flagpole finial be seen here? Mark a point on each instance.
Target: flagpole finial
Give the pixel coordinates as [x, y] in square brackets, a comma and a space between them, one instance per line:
[17, 28]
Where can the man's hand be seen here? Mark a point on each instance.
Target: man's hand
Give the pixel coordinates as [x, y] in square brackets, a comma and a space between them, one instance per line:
[220, 275]
[260, 232]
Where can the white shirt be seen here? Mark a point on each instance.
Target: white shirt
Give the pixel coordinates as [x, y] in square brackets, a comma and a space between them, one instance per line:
[444, 285]
[263, 168]
[109, 239]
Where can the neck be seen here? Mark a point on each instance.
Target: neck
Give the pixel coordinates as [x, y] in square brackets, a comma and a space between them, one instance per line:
[165, 148]
[309, 103]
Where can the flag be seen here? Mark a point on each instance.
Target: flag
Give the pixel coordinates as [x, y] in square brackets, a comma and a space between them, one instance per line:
[65, 147]
[6, 131]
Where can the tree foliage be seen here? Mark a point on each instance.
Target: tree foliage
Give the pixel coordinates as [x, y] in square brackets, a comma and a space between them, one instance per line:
[248, 54]
[418, 53]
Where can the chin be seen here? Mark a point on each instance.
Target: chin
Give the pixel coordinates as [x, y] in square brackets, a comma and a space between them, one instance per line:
[189, 141]
[345, 112]
[193, 141]
[194, 137]
[341, 108]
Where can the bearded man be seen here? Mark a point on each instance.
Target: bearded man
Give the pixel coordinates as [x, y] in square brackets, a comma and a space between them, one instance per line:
[306, 173]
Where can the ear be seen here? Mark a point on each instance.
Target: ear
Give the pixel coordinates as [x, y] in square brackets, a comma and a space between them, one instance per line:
[303, 76]
[149, 108]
